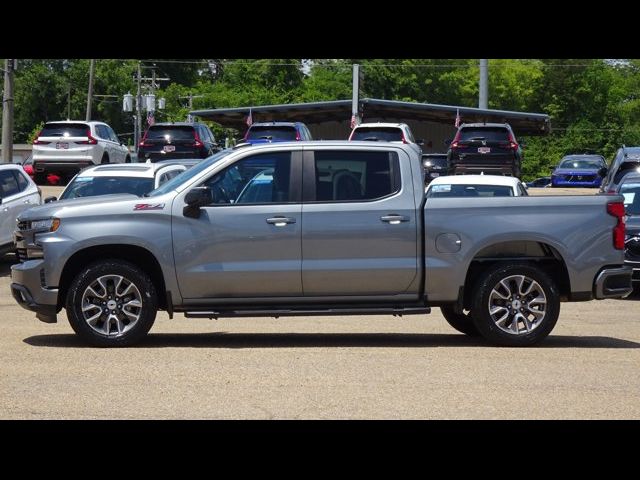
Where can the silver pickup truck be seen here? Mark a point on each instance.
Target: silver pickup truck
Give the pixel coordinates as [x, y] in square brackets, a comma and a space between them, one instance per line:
[317, 228]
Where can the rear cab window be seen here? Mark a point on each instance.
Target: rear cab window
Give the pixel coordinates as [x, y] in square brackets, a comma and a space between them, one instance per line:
[448, 190]
[387, 134]
[273, 133]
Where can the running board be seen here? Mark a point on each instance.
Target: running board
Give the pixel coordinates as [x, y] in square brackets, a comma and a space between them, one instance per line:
[303, 313]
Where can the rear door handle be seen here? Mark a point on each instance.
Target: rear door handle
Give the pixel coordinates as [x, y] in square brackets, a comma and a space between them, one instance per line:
[394, 219]
[280, 221]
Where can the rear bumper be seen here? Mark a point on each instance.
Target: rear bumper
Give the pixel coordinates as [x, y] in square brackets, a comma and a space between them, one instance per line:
[57, 166]
[158, 156]
[464, 169]
[613, 282]
[27, 290]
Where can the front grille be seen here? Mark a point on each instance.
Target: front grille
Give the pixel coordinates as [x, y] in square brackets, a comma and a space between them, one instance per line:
[21, 253]
[579, 178]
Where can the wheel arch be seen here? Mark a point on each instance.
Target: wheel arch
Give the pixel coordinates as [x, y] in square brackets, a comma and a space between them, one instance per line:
[136, 255]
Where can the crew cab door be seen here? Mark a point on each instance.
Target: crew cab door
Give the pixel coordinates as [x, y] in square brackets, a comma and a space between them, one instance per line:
[247, 242]
[359, 231]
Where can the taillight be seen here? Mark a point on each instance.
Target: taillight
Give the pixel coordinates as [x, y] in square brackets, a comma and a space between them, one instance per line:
[197, 142]
[617, 210]
[39, 142]
[512, 143]
[404, 140]
[89, 141]
[298, 136]
[456, 140]
[142, 143]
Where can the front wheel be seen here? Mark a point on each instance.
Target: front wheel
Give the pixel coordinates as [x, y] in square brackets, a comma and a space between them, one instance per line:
[515, 305]
[462, 322]
[111, 303]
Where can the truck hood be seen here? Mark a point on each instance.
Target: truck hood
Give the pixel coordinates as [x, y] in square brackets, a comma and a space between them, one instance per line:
[119, 202]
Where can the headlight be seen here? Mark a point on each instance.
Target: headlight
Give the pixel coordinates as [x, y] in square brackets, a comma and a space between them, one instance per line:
[50, 224]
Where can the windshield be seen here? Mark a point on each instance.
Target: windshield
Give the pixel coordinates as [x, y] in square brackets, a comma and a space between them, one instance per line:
[188, 174]
[591, 163]
[388, 134]
[92, 186]
[631, 194]
[448, 190]
[275, 133]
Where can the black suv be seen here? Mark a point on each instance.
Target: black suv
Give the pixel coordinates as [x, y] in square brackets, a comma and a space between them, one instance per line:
[435, 165]
[489, 148]
[176, 140]
[627, 160]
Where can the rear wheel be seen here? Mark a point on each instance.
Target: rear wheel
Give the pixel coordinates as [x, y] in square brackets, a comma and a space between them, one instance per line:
[111, 303]
[515, 305]
[127, 159]
[462, 322]
[105, 159]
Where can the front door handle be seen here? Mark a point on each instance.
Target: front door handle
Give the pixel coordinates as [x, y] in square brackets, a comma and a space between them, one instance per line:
[27, 201]
[394, 219]
[280, 221]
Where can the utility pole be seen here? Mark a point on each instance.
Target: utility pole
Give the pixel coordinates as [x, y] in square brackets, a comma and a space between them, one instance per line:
[92, 70]
[483, 100]
[355, 114]
[138, 125]
[7, 113]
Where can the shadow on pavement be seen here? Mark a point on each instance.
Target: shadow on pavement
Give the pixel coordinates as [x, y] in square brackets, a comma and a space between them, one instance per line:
[324, 340]
[5, 264]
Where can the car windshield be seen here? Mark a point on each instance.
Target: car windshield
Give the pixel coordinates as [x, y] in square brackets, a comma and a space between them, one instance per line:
[385, 134]
[272, 133]
[585, 163]
[87, 186]
[173, 133]
[448, 190]
[435, 161]
[65, 130]
[188, 174]
[489, 134]
[631, 194]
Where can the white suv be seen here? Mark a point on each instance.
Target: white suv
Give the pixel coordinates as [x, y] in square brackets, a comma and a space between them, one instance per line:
[386, 132]
[17, 193]
[68, 146]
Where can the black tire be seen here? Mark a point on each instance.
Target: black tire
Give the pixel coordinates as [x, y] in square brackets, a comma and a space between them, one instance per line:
[462, 322]
[105, 159]
[133, 331]
[507, 332]
[40, 178]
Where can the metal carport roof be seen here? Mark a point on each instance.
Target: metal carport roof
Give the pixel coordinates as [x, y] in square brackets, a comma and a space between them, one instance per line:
[523, 123]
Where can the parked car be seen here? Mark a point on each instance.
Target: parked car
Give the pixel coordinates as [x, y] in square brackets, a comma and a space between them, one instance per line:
[386, 132]
[350, 233]
[629, 188]
[490, 148]
[579, 171]
[269, 132]
[137, 178]
[18, 192]
[164, 141]
[540, 182]
[476, 186]
[66, 147]
[435, 165]
[626, 159]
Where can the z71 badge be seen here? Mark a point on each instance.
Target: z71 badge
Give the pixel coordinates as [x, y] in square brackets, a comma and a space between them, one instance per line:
[148, 206]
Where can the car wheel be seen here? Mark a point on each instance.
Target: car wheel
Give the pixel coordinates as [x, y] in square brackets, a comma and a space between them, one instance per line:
[105, 159]
[515, 305]
[111, 303]
[462, 322]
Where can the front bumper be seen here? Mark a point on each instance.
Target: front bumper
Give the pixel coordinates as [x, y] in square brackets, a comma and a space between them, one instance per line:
[613, 282]
[28, 291]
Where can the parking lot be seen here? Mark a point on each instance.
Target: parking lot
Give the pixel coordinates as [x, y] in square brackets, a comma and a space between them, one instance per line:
[358, 367]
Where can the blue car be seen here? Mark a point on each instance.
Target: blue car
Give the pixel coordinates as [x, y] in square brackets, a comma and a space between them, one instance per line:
[269, 132]
[579, 171]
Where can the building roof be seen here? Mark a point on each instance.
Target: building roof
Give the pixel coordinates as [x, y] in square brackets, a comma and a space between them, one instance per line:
[372, 109]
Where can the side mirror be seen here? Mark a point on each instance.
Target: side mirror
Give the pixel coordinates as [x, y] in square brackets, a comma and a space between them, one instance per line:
[196, 198]
[603, 172]
[50, 199]
[447, 141]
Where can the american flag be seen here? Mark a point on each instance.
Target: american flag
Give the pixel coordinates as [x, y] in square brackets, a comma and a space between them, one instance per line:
[457, 124]
[150, 119]
[354, 121]
[249, 119]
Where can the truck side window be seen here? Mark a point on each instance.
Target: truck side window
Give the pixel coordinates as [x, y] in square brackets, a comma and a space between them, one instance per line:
[355, 176]
[257, 179]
